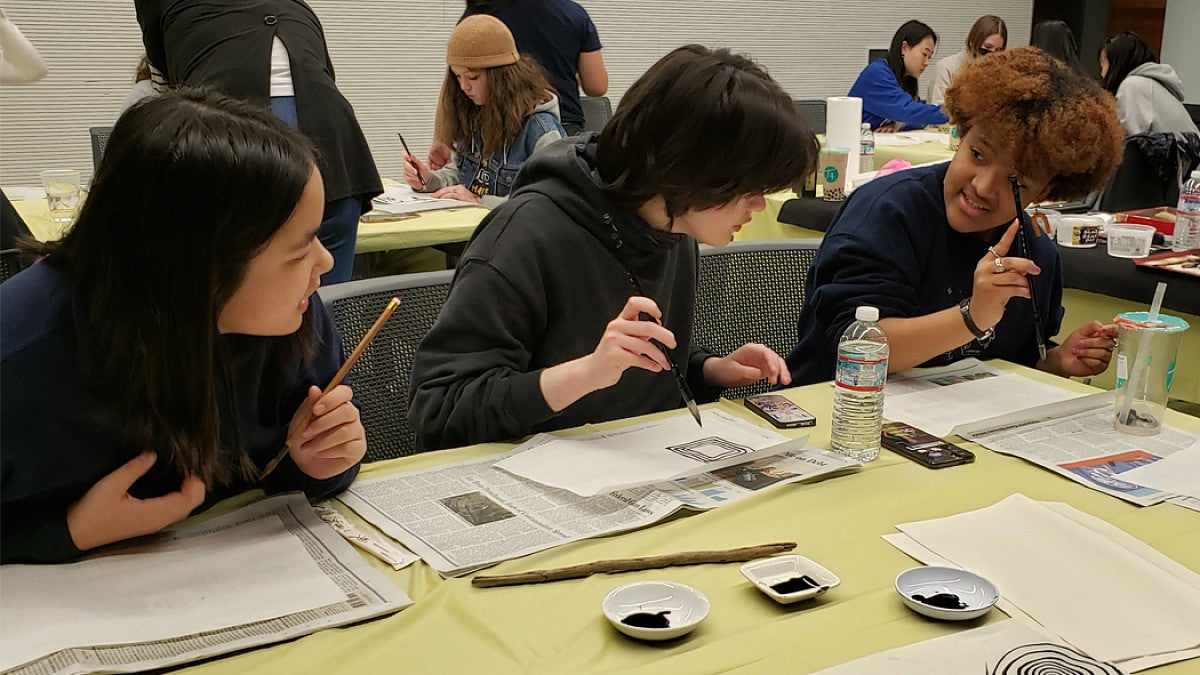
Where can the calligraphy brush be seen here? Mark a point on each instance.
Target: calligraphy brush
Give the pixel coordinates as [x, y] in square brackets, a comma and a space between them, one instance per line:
[1038, 329]
[334, 382]
[415, 165]
[684, 390]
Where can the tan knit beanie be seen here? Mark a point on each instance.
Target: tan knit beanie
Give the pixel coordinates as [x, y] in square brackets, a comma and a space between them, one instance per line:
[481, 41]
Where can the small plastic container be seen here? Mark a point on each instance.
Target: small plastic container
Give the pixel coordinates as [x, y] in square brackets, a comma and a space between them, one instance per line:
[1129, 240]
[1078, 231]
[681, 608]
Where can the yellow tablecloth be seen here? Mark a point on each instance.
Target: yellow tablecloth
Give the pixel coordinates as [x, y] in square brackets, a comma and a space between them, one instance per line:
[765, 224]
[429, 228]
[558, 627]
[931, 151]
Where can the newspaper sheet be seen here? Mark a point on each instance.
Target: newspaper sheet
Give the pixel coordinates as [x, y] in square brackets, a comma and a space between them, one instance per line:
[939, 399]
[1076, 439]
[636, 455]
[466, 516]
[267, 572]
[399, 199]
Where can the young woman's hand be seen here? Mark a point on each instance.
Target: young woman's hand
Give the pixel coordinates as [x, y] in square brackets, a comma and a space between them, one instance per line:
[1085, 352]
[459, 192]
[415, 173]
[625, 344]
[439, 155]
[996, 284]
[334, 439]
[746, 365]
[108, 513]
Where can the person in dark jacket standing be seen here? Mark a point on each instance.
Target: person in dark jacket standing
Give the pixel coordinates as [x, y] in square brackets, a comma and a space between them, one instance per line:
[273, 53]
[541, 329]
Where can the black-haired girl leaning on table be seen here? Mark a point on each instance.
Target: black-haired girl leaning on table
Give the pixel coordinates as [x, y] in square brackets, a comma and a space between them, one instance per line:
[155, 359]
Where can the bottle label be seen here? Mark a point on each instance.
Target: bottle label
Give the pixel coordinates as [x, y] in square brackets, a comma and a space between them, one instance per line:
[861, 374]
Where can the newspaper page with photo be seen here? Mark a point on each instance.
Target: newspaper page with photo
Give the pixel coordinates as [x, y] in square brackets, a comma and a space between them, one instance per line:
[1076, 439]
[269, 572]
[462, 517]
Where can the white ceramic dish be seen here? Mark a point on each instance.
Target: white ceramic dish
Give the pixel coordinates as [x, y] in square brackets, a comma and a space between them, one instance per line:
[768, 572]
[977, 594]
[685, 608]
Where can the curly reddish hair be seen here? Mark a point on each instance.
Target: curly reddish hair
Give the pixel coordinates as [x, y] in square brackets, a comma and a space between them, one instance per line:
[1053, 119]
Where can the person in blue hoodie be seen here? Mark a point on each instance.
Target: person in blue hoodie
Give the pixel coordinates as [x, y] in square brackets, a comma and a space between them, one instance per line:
[888, 87]
[550, 316]
[496, 110]
[933, 247]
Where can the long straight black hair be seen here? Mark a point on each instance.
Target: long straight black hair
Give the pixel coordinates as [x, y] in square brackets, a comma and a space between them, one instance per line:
[912, 32]
[1124, 51]
[700, 128]
[192, 186]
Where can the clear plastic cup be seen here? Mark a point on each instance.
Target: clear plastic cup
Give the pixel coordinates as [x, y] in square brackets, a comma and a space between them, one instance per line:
[1146, 354]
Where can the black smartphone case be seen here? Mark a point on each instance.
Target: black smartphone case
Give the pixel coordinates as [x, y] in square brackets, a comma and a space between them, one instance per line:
[922, 447]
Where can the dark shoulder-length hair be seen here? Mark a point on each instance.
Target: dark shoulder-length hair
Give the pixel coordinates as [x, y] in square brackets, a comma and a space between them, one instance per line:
[912, 32]
[192, 186]
[513, 91]
[1056, 121]
[1058, 40]
[700, 128]
[1124, 51]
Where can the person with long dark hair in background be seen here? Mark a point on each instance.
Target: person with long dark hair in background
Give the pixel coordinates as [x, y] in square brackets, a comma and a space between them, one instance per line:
[888, 87]
[1149, 94]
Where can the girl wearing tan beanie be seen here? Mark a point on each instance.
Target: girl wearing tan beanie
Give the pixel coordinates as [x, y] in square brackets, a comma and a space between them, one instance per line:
[496, 109]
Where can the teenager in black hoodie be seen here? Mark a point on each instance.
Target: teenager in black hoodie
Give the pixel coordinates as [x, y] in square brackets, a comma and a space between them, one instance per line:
[541, 330]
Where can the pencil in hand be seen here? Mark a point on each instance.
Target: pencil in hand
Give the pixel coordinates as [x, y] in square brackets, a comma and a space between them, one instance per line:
[334, 382]
[412, 161]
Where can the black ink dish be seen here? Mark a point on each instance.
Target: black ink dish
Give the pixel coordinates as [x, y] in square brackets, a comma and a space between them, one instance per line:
[795, 585]
[648, 619]
[943, 600]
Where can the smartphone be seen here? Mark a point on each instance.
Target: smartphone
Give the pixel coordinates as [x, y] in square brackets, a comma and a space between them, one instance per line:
[779, 411]
[923, 447]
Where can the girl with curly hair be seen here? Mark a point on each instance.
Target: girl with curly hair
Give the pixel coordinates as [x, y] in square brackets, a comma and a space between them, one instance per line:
[932, 247]
[495, 110]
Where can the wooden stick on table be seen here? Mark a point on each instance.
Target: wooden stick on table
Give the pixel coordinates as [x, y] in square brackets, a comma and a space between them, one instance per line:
[629, 564]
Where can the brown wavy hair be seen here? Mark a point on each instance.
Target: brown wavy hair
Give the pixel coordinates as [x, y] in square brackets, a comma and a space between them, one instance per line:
[985, 27]
[513, 91]
[1053, 119]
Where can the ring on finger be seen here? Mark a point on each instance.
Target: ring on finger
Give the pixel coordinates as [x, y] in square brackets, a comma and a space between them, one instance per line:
[998, 264]
[992, 250]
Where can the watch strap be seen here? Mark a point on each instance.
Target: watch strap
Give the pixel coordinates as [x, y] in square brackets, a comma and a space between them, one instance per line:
[964, 306]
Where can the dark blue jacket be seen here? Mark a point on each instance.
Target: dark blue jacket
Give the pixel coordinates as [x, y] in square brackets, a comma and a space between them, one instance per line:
[60, 434]
[891, 247]
[884, 101]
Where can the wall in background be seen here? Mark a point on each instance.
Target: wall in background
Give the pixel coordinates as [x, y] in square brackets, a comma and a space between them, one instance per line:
[389, 58]
[1180, 46]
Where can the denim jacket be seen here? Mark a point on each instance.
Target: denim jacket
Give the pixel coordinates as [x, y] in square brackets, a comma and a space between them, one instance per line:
[492, 178]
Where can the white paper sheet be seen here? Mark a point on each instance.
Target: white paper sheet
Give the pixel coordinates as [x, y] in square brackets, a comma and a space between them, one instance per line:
[977, 650]
[397, 198]
[940, 399]
[648, 453]
[1178, 473]
[1091, 585]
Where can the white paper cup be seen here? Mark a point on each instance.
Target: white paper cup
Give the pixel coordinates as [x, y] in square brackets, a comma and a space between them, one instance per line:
[1078, 231]
[1129, 240]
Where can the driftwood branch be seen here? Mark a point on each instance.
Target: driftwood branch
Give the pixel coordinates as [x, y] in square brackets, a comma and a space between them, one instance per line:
[630, 564]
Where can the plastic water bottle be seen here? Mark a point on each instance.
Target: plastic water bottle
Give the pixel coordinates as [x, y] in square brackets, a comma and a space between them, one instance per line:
[862, 364]
[1187, 216]
[866, 147]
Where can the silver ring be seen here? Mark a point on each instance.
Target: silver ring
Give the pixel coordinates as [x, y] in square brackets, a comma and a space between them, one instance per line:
[998, 264]
[993, 252]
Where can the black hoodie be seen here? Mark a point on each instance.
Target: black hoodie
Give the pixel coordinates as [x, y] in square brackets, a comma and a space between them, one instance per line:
[539, 282]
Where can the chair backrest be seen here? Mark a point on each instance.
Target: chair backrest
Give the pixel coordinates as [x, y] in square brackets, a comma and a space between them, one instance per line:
[813, 112]
[1193, 110]
[1139, 181]
[597, 110]
[380, 377]
[10, 263]
[874, 55]
[752, 291]
[99, 141]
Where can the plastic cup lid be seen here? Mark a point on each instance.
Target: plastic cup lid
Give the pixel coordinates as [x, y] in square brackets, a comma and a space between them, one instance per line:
[1141, 321]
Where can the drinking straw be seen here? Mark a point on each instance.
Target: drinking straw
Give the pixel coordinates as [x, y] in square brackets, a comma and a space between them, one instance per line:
[1138, 368]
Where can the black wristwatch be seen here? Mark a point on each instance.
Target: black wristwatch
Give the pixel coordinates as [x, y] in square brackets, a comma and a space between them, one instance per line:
[964, 306]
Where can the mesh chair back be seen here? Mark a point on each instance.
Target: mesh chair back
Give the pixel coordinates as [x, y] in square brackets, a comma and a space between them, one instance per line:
[1139, 181]
[99, 141]
[813, 112]
[752, 291]
[597, 110]
[10, 263]
[380, 377]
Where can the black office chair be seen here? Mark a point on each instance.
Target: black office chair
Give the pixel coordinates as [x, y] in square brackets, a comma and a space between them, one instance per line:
[380, 377]
[1151, 171]
[1193, 110]
[99, 141]
[809, 212]
[813, 112]
[11, 262]
[751, 291]
[597, 110]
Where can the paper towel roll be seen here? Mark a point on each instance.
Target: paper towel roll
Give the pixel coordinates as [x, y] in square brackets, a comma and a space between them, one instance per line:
[843, 124]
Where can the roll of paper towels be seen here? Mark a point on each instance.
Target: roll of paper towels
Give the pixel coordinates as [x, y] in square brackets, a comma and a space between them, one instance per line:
[843, 126]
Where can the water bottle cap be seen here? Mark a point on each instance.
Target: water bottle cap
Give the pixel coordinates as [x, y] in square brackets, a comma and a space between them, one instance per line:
[866, 313]
[866, 126]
